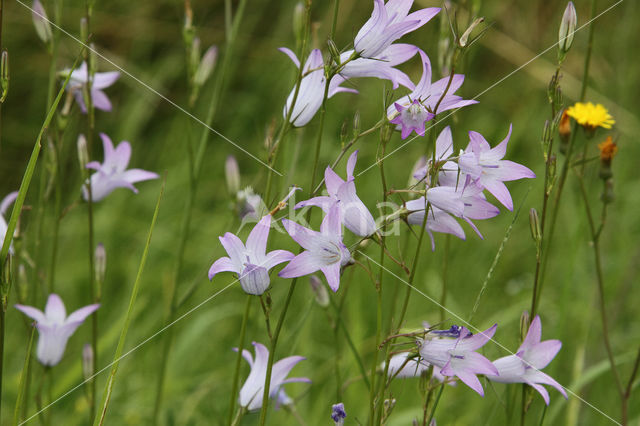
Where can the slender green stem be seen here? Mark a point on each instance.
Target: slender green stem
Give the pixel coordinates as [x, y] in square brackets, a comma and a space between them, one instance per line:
[352, 345]
[236, 374]
[435, 404]
[23, 379]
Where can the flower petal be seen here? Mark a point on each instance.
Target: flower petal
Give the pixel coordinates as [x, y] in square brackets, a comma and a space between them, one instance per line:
[81, 314]
[32, 312]
[224, 264]
[332, 273]
[54, 310]
[257, 239]
[303, 264]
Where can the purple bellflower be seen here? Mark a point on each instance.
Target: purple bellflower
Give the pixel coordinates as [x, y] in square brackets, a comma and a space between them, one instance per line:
[101, 80]
[253, 388]
[411, 112]
[381, 66]
[355, 215]
[113, 173]
[414, 367]
[4, 206]
[487, 168]
[324, 250]
[455, 354]
[55, 327]
[251, 262]
[387, 23]
[532, 356]
[338, 414]
[312, 86]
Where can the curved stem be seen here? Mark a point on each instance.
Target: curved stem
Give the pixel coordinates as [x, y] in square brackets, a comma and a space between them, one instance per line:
[236, 374]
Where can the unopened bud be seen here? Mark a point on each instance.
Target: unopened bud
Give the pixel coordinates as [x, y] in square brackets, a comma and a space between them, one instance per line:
[194, 57]
[298, 21]
[207, 64]
[100, 264]
[465, 37]
[567, 29]
[4, 75]
[232, 174]
[87, 362]
[564, 128]
[534, 223]
[356, 124]
[547, 135]
[83, 153]
[608, 196]
[524, 324]
[333, 51]
[319, 290]
[40, 21]
[84, 29]
[608, 150]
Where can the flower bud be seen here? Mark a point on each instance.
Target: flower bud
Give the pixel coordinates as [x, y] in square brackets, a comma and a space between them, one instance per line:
[608, 150]
[356, 124]
[87, 362]
[100, 263]
[4, 75]
[83, 153]
[298, 21]
[567, 29]
[84, 29]
[564, 130]
[333, 51]
[465, 37]
[524, 324]
[319, 290]
[194, 57]
[207, 64]
[232, 174]
[40, 21]
[534, 224]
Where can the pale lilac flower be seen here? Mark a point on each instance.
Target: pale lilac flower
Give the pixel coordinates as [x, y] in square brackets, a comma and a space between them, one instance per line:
[55, 327]
[355, 215]
[387, 23]
[437, 221]
[41, 21]
[324, 250]
[113, 173]
[454, 352]
[381, 66]
[282, 399]
[414, 367]
[532, 356]
[101, 80]
[250, 206]
[412, 111]
[448, 172]
[487, 168]
[253, 388]
[338, 414]
[251, 262]
[312, 87]
[4, 206]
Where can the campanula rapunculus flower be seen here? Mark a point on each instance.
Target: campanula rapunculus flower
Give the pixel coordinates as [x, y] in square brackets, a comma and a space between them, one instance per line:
[55, 327]
[403, 367]
[355, 215]
[253, 388]
[101, 80]
[324, 250]
[112, 173]
[532, 356]
[454, 353]
[4, 206]
[487, 168]
[387, 23]
[381, 66]
[338, 414]
[250, 262]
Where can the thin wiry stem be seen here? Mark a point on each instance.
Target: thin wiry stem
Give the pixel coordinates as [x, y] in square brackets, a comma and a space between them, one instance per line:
[236, 374]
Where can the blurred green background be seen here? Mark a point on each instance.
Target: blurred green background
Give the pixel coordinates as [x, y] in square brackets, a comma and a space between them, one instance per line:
[144, 38]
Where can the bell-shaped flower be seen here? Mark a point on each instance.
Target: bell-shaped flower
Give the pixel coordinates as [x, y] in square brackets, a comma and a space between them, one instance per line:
[312, 87]
[532, 356]
[381, 66]
[4, 206]
[253, 388]
[487, 168]
[324, 250]
[250, 262]
[101, 80]
[448, 170]
[112, 173]
[55, 327]
[403, 366]
[411, 112]
[355, 215]
[438, 220]
[454, 352]
[387, 23]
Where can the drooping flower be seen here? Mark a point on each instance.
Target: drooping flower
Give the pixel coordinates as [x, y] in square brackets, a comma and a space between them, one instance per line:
[253, 388]
[4, 206]
[454, 352]
[355, 215]
[411, 112]
[438, 220]
[324, 250]
[532, 356]
[591, 116]
[487, 168]
[101, 80]
[403, 366]
[387, 23]
[381, 66]
[338, 414]
[251, 262]
[55, 327]
[312, 87]
[113, 173]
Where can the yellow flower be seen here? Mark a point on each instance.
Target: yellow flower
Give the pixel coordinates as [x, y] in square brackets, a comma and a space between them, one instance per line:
[591, 116]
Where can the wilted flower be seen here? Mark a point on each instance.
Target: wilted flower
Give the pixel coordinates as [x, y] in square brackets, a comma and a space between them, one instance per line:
[250, 205]
[253, 388]
[55, 327]
[101, 80]
[388, 23]
[608, 150]
[564, 127]
[411, 112]
[457, 357]
[4, 206]
[251, 262]
[532, 356]
[591, 116]
[338, 414]
[41, 21]
[355, 215]
[324, 250]
[113, 173]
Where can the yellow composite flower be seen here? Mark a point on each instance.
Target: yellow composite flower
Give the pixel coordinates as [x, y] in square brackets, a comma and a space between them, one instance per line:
[591, 116]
